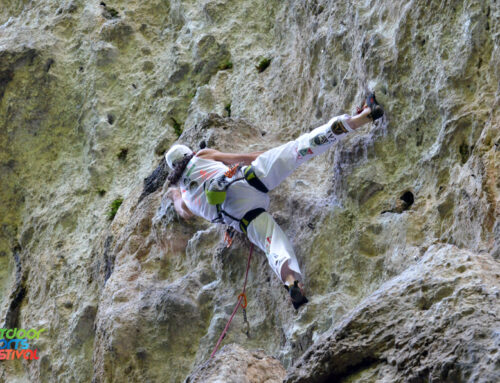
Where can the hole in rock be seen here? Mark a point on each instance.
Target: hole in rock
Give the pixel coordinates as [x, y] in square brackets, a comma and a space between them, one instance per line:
[111, 119]
[48, 64]
[408, 199]
[123, 154]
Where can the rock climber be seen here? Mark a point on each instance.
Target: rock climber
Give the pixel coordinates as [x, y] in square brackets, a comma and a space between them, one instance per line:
[238, 197]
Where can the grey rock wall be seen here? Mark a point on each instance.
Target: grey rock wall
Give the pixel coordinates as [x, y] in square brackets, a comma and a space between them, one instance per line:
[235, 364]
[434, 322]
[92, 93]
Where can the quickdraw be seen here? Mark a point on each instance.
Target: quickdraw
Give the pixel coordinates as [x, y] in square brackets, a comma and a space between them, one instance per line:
[244, 298]
[247, 330]
[245, 320]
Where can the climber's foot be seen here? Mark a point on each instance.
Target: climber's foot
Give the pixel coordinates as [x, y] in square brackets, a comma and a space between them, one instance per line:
[296, 295]
[375, 110]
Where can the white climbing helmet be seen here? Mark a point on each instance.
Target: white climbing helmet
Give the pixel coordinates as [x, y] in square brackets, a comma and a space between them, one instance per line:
[176, 153]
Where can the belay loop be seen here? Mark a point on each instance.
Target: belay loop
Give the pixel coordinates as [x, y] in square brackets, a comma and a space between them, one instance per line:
[216, 190]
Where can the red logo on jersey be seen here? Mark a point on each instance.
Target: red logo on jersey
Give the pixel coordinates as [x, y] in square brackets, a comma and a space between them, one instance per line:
[206, 175]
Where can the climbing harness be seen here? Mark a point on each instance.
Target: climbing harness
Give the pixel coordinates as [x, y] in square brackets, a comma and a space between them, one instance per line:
[241, 297]
[216, 191]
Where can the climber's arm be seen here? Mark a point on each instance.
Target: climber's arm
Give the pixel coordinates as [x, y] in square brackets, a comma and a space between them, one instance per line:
[228, 158]
[179, 205]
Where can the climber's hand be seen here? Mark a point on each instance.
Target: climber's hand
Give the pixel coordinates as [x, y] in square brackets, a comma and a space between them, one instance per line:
[179, 205]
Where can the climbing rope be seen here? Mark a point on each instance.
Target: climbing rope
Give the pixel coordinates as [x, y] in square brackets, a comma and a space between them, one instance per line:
[241, 297]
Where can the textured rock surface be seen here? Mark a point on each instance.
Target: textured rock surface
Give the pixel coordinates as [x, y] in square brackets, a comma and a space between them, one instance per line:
[436, 321]
[234, 364]
[92, 93]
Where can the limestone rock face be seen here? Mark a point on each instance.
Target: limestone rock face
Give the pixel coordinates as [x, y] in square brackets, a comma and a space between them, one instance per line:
[396, 228]
[435, 321]
[234, 364]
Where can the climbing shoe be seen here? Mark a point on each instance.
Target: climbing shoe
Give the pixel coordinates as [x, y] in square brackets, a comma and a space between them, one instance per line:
[298, 299]
[376, 109]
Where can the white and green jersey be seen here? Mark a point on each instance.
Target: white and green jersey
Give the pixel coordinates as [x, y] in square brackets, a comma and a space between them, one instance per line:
[240, 196]
[198, 171]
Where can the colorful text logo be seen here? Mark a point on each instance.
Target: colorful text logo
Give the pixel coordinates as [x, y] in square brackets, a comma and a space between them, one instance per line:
[14, 343]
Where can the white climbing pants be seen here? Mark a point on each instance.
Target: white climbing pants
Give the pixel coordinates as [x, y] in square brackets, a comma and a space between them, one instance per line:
[272, 167]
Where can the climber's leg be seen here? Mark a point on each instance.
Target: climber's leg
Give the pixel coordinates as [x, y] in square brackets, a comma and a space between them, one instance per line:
[264, 232]
[268, 236]
[274, 165]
